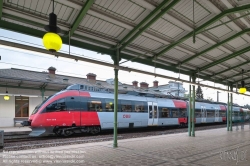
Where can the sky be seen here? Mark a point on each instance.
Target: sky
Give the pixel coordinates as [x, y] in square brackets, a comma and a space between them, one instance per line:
[23, 59]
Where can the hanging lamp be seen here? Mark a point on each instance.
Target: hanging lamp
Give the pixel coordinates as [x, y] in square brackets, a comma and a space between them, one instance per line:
[51, 40]
[6, 97]
[242, 89]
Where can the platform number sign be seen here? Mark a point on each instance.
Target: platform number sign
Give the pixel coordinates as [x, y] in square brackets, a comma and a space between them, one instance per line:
[203, 114]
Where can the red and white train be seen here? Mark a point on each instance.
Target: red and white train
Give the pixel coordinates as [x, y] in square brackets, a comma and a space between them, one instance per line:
[75, 110]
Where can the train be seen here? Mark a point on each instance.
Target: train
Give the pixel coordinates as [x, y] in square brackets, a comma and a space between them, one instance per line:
[75, 110]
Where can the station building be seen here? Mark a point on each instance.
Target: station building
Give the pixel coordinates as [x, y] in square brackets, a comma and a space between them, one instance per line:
[26, 89]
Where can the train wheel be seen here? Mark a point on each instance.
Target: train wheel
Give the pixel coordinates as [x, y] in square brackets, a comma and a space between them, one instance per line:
[67, 133]
[94, 130]
[58, 132]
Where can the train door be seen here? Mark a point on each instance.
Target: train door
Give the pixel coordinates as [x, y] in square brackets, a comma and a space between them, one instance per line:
[73, 109]
[216, 114]
[152, 113]
[203, 114]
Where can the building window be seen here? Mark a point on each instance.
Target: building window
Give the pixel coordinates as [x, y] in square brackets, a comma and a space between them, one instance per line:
[21, 106]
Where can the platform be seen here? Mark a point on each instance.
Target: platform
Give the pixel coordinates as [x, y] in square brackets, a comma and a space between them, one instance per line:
[210, 147]
[15, 130]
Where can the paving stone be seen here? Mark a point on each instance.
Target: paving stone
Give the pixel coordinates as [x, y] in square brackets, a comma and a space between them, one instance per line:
[211, 147]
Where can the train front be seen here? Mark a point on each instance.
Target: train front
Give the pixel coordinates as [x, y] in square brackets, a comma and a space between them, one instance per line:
[36, 123]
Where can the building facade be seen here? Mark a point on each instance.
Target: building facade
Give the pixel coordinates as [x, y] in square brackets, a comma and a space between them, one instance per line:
[26, 89]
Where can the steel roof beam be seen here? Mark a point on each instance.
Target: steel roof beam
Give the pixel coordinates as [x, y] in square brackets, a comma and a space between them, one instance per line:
[142, 29]
[241, 79]
[231, 68]
[145, 20]
[217, 45]
[80, 16]
[80, 44]
[239, 74]
[237, 53]
[200, 28]
[1, 8]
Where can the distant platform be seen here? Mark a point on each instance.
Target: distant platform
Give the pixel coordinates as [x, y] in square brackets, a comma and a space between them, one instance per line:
[209, 147]
[15, 130]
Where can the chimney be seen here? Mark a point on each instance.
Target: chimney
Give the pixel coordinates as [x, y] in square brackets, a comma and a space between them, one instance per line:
[144, 85]
[155, 84]
[135, 84]
[91, 77]
[52, 72]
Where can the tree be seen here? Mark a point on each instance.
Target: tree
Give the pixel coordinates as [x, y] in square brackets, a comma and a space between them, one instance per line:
[210, 99]
[247, 106]
[199, 93]
[186, 95]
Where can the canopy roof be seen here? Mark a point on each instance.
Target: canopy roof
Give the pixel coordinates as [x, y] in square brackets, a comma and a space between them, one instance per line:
[158, 33]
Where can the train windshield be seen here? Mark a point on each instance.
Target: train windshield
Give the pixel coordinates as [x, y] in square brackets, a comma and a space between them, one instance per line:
[39, 105]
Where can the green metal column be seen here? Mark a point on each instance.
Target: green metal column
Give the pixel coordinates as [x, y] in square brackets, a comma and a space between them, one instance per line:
[189, 109]
[231, 111]
[193, 110]
[42, 94]
[115, 145]
[228, 109]
[116, 62]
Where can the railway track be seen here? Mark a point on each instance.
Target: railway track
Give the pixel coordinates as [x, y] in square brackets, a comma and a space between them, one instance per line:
[51, 141]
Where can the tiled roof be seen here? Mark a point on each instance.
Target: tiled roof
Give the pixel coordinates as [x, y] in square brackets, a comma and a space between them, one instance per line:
[44, 77]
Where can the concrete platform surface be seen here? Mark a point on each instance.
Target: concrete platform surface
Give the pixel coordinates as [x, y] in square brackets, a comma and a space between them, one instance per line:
[211, 147]
[15, 130]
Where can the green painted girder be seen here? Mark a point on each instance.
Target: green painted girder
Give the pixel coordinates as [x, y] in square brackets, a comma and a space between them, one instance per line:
[203, 26]
[145, 20]
[80, 16]
[231, 68]
[23, 87]
[1, 8]
[237, 53]
[238, 81]
[217, 45]
[163, 11]
[38, 33]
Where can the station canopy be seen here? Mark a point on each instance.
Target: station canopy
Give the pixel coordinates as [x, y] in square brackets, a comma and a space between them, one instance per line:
[206, 38]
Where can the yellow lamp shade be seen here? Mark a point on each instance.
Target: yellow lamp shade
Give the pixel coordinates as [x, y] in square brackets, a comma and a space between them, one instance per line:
[242, 90]
[52, 41]
[6, 97]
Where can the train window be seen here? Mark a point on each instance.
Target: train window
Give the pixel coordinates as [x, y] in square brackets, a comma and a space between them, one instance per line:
[83, 103]
[183, 112]
[95, 105]
[139, 107]
[210, 113]
[222, 113]
[150, 112]
[58, 105]
[126, 106]
[72, 103]
[197, 113]
[109, 105]
[175, 113]
[164, 113]
[51, 107]
[235, 113]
